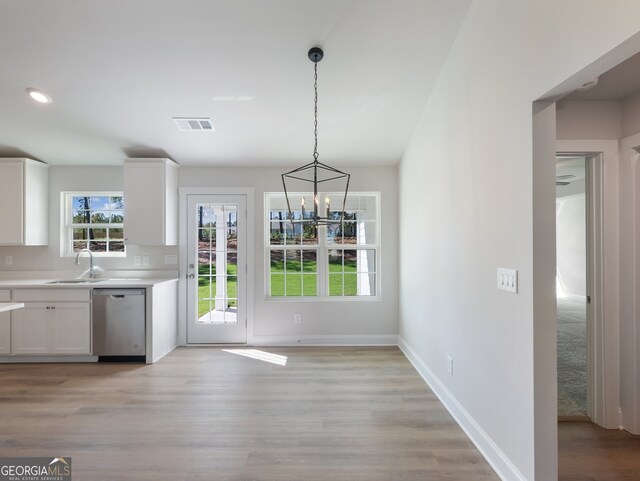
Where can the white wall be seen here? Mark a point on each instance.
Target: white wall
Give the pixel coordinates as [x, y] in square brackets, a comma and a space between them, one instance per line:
[468, 175]
[571, 242]
[589, 119]
[328, 321]
[630, 116]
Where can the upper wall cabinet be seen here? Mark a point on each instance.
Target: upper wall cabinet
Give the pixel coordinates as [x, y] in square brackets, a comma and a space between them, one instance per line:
[24, 191]
[151, 202]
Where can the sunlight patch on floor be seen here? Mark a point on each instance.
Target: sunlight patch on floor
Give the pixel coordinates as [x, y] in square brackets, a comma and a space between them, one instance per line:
[260, 355]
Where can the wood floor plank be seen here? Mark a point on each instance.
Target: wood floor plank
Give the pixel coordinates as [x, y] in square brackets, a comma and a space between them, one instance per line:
[590, 453]
[207, 414]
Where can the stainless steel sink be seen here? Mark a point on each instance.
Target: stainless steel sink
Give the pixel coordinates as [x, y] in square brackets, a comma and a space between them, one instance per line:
[77, 281]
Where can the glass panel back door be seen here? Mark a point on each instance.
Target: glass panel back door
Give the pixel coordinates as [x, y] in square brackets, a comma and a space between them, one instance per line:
[216, 288]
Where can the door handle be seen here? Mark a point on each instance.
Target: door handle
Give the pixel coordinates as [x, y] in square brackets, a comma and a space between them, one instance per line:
[191, 276]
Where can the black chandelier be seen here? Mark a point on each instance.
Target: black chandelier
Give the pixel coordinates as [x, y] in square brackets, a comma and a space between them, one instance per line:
[316, 173]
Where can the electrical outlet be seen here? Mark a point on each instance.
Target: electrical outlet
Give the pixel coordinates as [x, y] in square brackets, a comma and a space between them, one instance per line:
[146, 260]
[297, 318]
[8, 260]
[136, 261]
[450, 365]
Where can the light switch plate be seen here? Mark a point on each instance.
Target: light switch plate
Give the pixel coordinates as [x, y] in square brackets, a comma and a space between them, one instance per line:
[508, 280]
[170, 259]
[146, 260]
[8, 260]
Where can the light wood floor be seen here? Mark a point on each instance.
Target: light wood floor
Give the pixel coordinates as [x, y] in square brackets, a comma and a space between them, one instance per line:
[587, 452]
[352, 414]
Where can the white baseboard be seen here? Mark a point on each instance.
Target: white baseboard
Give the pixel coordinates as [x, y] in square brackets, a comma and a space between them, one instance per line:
[491, 452]
[365, 340]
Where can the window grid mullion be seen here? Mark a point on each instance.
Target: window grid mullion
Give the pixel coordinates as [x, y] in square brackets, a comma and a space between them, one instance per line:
[322, 263]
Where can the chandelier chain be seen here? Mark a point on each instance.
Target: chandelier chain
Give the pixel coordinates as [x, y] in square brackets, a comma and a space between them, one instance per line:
[315, 122]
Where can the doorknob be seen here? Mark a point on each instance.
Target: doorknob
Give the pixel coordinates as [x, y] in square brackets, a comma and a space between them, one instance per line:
[190, 276]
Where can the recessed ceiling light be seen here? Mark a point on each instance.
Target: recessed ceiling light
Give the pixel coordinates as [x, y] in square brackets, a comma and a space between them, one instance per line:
[39, 96]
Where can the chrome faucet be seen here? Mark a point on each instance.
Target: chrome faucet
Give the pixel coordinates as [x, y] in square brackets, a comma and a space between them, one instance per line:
[93, 271]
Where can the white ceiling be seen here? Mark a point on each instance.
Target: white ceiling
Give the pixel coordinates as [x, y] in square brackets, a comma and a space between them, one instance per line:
[118, 71]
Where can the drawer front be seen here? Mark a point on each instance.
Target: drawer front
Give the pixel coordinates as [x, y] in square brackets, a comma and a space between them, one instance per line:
[5, 295]
[52, 295]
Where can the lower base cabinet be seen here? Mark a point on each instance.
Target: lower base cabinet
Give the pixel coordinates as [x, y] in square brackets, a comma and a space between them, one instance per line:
[45, 328]
[71, 329]
[5, 324]
[51, 328]
[5, 333]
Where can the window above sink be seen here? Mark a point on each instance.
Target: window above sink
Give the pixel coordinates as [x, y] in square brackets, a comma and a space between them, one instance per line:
[92, 220]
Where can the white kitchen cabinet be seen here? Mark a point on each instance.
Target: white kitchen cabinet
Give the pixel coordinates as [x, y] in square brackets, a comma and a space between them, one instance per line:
[53, 326]
[150, 202]
[5, 332]
[24, 186]
[5, 324]
[31, 330]
[71, 328]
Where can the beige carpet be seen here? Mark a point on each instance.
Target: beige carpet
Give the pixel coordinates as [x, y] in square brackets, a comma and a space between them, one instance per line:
[572, 356]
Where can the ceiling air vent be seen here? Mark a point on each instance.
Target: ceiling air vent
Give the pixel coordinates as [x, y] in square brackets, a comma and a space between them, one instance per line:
[195, 123]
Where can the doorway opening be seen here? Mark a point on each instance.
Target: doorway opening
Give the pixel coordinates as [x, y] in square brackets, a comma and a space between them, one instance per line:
[610, 368]
[572, 287]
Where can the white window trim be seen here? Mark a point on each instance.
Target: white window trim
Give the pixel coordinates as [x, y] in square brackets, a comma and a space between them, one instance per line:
[66, 249]
[321, 249]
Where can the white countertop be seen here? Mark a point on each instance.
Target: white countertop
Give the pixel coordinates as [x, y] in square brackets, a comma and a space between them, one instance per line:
[10, 306]
[47, 283]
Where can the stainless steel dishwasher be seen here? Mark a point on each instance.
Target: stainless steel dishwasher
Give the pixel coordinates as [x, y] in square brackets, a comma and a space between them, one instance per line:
[118, 317]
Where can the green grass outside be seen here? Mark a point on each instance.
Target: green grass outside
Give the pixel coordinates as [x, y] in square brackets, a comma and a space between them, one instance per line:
[304, 280]
[207, 287]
